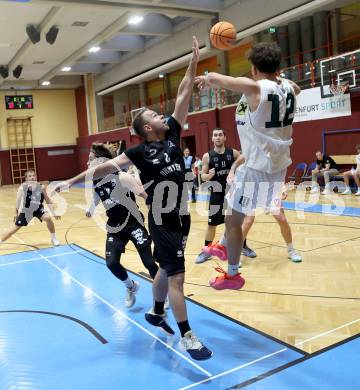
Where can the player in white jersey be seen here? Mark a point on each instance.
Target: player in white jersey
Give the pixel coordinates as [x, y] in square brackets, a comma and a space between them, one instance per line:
[264, 119]
[355, 173]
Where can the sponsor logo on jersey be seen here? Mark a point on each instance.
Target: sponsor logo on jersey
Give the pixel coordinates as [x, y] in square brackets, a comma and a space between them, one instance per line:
[156, 161]
[240, 123]
[170, 169]
[179, 253]
[241, 108]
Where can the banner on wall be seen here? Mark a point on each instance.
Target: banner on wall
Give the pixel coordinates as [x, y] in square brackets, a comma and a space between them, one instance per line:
[311, 106]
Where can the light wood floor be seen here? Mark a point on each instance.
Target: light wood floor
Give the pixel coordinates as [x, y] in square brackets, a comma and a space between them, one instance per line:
[309, 305]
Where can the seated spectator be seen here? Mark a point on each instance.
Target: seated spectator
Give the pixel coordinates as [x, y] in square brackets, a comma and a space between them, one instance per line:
[355, 172]
[325, 166]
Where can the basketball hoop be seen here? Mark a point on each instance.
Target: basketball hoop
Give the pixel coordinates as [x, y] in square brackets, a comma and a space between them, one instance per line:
[339, 89]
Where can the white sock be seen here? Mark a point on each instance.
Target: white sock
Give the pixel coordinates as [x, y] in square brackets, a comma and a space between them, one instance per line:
[233, 269]
[128, 283]
[222, 241]
[53, 236]
[290, 247]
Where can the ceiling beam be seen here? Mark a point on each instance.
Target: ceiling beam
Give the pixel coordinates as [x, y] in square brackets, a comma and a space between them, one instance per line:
[124, 43]
[139, 6]
[104, 35]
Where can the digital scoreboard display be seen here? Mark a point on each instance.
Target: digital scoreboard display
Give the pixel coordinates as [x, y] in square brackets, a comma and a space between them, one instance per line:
[20, 102]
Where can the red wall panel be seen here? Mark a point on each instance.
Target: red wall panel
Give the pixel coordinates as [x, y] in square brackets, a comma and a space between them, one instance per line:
[5, 167]
[56, 167]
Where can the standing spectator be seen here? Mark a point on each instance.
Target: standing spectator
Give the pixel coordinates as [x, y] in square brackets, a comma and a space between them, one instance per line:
[189, 176]
[325, 166]
[355, 172]
[197, 172]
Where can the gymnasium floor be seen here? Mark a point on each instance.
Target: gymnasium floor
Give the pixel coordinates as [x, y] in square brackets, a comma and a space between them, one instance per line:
[63, 323]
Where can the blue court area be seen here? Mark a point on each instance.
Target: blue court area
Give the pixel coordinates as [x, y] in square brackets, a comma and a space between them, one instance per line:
[63, 325]
[331, 370]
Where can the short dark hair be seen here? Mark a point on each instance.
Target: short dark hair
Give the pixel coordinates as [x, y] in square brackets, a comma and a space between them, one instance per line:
[266, 57]
[100, 150]
[139, 122]
[219, 129]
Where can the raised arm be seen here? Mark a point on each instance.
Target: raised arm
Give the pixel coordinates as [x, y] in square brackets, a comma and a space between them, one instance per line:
[186, 86]
[237, 84]
[102, 170]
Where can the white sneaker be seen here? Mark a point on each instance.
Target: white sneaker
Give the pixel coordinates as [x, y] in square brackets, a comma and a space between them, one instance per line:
[326, 192]
[55, 241]
[346, 192]
[191, 344]
[357, 193]
[202, 257]
[314, 190]
[294, 256]
[130, 298]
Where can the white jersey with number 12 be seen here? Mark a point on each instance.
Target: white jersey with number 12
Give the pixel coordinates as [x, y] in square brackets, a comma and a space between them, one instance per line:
[266, 133]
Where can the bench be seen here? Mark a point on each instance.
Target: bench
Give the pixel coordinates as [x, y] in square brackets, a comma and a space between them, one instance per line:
[345, 162]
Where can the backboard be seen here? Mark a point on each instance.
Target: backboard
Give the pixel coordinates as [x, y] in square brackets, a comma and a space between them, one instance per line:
[343, 69]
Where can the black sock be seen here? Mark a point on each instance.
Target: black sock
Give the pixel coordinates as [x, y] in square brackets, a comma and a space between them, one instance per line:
[207, 242]
[184, 327]
[159, 308]
[244, 244]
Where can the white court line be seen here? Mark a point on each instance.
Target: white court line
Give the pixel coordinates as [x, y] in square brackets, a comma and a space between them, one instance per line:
[233, 369]
[328, 332]
[39, 258]
[267, 356]
[120, 312]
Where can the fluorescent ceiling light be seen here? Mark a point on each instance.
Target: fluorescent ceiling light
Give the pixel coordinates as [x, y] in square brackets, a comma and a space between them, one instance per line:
[135, 19]
[332, 71]
[45, 83]
[161, 75]
[94, 49]
[66, 69]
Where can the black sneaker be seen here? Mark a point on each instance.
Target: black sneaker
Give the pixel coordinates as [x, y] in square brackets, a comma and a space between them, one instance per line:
[193, 346]
[159, 321]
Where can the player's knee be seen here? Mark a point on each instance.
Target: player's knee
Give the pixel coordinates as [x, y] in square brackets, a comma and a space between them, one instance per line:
[177, 281]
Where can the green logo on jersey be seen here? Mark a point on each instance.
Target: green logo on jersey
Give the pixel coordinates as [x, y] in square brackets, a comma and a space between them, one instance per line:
[241, 108]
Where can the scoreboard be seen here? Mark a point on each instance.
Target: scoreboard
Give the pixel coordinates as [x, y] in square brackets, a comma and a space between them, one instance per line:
[19, 102]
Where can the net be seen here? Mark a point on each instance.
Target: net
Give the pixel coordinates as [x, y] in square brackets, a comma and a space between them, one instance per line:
[338, 89]
[133, 114]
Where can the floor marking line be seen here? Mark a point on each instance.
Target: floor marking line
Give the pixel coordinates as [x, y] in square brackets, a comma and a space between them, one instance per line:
[328, 332]
[39, 258]
[121, 313]
[234, 369]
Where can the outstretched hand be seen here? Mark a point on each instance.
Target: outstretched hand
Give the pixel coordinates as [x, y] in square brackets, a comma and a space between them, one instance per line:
[195, 50]
[202, 82]
[62, 186]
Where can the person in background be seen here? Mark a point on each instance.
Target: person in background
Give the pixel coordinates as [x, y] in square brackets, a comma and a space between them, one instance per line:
[189, 175]
[355, 173]
[29, 204]
[325, 166]
[197, 172]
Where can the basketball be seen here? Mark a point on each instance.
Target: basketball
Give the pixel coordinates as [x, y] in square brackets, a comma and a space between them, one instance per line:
[223, 35]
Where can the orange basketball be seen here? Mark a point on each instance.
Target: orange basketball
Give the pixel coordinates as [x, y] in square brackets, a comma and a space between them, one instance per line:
[223, 35]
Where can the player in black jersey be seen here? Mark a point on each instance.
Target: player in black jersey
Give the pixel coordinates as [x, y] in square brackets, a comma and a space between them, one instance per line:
[29, 204]
[218, 165]
[161, 165]
[122, 226]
